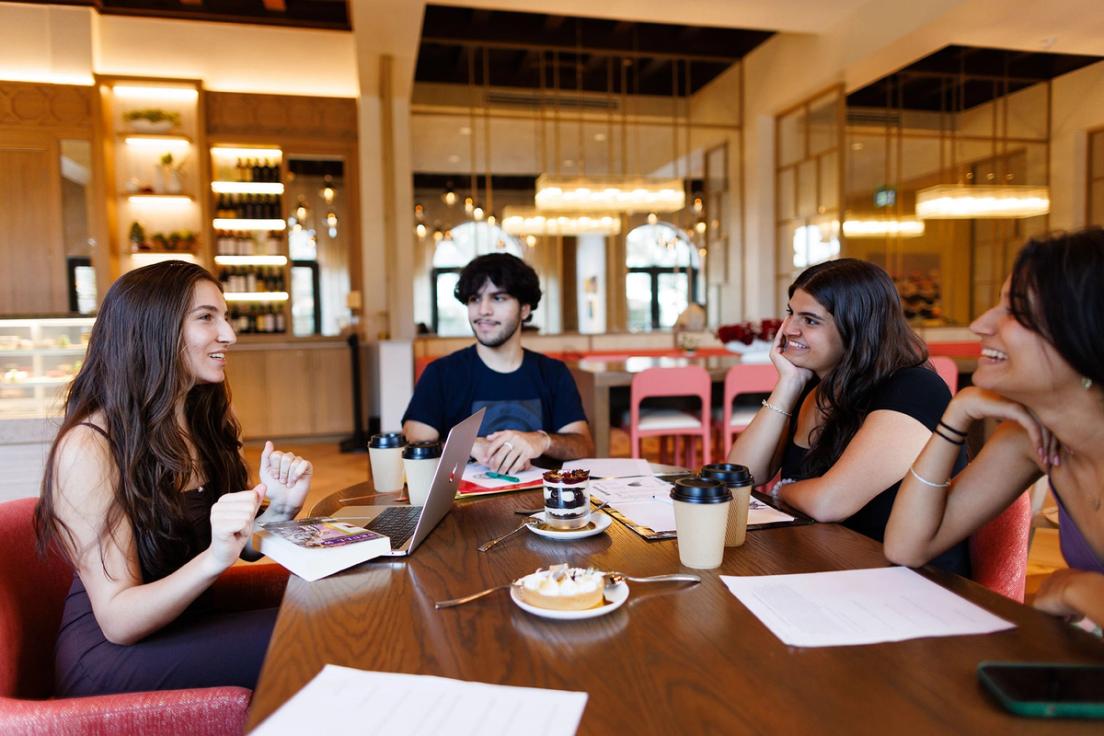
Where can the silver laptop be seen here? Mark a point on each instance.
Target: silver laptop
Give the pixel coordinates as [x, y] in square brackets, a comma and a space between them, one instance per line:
[406, 525]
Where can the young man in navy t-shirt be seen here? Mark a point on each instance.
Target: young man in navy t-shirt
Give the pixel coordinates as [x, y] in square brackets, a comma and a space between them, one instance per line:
[533, 406]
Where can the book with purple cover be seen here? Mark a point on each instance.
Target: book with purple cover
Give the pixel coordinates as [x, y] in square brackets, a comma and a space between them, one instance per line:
[317, 546]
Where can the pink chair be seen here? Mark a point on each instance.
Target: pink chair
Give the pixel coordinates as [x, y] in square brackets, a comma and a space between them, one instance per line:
[32, 594]
[998, 550]
[947, 370]
[743, 379]
[659, 382]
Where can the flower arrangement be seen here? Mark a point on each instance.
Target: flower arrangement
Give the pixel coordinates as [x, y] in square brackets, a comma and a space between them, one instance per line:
[747, 333]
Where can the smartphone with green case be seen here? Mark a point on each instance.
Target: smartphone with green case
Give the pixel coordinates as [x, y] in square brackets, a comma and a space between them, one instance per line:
[1046, 690]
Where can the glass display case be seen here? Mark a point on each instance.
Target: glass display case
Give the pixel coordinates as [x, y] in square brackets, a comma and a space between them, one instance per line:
[38, 359]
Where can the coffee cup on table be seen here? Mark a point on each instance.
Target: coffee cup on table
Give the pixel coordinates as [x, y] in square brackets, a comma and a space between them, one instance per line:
[385, 453]
[701, 516]
[738, 480]
[420, 463]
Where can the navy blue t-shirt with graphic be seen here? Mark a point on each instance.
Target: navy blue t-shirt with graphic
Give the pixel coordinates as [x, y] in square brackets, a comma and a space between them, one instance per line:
[541, 394]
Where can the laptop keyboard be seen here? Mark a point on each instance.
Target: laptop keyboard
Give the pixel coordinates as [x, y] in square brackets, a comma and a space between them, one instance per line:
[397, 523]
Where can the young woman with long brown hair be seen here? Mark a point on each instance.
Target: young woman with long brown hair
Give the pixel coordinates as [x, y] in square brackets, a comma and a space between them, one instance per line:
[1041, 373]
[854, 403]
[146, 493]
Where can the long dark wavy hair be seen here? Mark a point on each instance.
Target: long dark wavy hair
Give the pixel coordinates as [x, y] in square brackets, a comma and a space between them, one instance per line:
[1056, 291]
[877, 342]
[135, 377]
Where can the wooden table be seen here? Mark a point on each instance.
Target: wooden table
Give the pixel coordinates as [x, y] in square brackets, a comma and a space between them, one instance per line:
[672, 660]
[595, 379]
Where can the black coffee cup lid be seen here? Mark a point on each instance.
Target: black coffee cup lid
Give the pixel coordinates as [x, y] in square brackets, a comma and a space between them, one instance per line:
[424, 450]
[728, 473]
[700, 490]
[387, 440]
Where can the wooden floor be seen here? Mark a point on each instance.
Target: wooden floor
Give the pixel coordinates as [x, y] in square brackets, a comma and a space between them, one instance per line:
[334, 470]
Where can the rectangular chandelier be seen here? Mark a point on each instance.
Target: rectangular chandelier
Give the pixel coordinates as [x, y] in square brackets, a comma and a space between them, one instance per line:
[531, 221]
[883, 227]
[960, 202]
[608, 194]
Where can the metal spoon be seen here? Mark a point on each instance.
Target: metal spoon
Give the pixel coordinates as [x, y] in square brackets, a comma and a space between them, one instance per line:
[613, 578]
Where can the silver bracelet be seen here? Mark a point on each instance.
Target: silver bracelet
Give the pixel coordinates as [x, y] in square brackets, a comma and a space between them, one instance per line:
[928, 483]
[780, 410]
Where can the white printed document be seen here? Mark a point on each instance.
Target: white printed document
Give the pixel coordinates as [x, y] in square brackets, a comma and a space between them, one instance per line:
[405, 705]
[859, 607]
[611, 467]
[646, 501]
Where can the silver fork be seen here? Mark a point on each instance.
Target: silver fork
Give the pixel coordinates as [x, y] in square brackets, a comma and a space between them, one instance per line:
[487, 545]
[459, 601]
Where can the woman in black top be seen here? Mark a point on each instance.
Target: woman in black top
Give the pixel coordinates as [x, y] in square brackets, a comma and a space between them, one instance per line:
[146, 493]
[854, 404]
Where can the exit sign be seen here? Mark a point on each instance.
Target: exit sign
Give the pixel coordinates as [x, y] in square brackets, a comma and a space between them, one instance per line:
[885, 196]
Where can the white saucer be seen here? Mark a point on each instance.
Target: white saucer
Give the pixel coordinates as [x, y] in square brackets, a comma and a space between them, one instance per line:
[615, 595]
[601, 523]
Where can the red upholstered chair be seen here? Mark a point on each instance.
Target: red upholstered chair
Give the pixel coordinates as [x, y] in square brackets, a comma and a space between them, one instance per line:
[688, 381]
[743, 379]
[998, 550]
[947, 370]
[32, 593]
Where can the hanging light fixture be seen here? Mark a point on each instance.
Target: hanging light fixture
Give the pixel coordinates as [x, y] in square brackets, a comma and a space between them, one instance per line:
[530, 221]
[609, 194]
[967, 201]
[882, 227]
[964, 201]
[329, 193]
[449, 197]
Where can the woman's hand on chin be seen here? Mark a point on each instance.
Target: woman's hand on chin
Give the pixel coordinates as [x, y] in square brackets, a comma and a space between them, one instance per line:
[787, 371]
[972, 404]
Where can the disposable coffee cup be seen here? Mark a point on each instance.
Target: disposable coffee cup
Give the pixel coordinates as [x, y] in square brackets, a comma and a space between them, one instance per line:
[701, 516]
[420, 463]
[738, 480]
[385, 453]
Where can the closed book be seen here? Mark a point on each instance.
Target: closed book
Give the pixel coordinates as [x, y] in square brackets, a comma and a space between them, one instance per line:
[317, 546]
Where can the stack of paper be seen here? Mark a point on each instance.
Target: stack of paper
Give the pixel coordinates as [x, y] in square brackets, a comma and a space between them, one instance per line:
[345, 700]
[859, 607]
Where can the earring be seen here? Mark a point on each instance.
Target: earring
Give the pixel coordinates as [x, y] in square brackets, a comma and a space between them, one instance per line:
[1086, 382]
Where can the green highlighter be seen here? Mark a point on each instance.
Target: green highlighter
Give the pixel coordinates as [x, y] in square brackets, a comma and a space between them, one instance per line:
[502, 476]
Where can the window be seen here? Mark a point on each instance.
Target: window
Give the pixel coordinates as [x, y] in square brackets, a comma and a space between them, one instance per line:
[466, 241]
[664, 275]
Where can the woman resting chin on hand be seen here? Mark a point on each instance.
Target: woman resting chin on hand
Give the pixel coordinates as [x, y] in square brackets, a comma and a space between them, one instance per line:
[146, 493]
[854, 403]
[1041, 372]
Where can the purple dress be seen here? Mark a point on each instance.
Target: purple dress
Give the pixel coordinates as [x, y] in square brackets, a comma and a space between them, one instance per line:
[1079, 555]
[203, 647]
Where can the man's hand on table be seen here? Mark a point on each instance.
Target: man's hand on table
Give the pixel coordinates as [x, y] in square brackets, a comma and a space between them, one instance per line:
[509, 450]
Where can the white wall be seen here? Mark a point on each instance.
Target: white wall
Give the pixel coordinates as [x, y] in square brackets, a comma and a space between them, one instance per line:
[40, 43]
[590, 262]
[1078, 100]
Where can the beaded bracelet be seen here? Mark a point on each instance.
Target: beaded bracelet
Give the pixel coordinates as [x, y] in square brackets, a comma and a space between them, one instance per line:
[951, 429]
[780, 410]
[928, 483]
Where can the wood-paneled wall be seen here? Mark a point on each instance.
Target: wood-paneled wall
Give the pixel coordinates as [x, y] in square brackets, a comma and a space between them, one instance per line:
[33, 119]
[292, 391]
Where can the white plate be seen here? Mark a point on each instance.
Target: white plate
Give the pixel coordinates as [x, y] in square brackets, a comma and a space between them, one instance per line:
[615, 595]
[601, 523]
